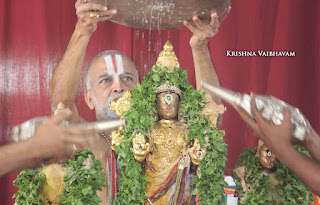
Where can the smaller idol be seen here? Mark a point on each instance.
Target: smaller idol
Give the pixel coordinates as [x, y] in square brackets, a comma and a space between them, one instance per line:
[75, 181]
[262, 179]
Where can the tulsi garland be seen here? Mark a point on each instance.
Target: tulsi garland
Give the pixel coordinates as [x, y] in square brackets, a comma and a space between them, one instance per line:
[140, 119]
[289, 188]
[82, 183]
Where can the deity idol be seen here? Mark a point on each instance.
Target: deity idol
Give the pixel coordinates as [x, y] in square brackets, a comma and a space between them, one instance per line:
[169, 163]
[166, 151]
[267, 162]
[261, 179]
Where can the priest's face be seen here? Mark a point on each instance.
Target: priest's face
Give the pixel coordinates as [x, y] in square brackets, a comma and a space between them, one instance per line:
[267, 159]
[167, 106]
[109, 77]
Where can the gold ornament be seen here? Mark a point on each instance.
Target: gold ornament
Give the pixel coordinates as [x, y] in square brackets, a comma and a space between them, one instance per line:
[212, 111]
[54, 184]
[122, 104]
[116, 138]
[167, 58]
[60, 107]
[166, 87]
[140, 147]
[196, 153]
[94, 14]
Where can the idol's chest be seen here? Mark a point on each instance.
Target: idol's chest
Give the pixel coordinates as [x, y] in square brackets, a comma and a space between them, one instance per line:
[168, 135]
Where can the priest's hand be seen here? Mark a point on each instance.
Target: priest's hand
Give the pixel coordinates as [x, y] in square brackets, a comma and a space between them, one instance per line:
[57, 142]
[203, 31]
[89, 14]
[276, 137]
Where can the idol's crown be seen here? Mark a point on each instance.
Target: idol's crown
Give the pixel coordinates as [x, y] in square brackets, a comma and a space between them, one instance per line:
[166, 87]
[167, 57]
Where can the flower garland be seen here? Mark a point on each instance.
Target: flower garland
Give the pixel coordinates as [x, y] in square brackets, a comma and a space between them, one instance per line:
[82, 183]
[289, 189]
[140, 119]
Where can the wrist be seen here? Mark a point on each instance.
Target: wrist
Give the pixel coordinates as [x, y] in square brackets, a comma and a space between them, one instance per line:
[310, 140]
[79, 32]
[282, 149]
[35, 150]
[198, 44]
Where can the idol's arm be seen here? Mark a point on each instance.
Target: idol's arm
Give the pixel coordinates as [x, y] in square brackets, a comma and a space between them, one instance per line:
[66, 77]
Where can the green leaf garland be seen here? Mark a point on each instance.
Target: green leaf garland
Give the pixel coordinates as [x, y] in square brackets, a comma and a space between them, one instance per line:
[82, 183]
[140, 119]
[289, 188]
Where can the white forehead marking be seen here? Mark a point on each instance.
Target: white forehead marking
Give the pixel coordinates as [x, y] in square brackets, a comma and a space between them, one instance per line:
[109, 64]
[119, 64]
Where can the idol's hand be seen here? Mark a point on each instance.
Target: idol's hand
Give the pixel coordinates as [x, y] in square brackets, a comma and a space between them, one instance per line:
[140, 147]
[202, 32]
[196, 153]
[116, 138]
[89, 14]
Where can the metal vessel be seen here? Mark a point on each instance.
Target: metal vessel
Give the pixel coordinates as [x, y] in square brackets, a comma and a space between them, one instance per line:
[27, 129]
[162, 14]
[270, 108]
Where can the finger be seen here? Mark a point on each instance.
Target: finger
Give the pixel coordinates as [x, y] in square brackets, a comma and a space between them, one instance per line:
[78, 3]
[223, 16]
[60, 116]
[189, 26]
[286, 118]
[255, 112]
[80, 143]
[250, 122]
[197, 21]
[214, 20]
[92, 7]
[75, 131]
[108, 13]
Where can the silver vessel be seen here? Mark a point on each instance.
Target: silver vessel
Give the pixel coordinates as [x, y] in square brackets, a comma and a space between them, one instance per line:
[270, 108]
[27, 129]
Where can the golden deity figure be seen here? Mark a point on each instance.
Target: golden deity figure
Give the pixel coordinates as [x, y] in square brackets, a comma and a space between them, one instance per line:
[167, 156]
[170, 162]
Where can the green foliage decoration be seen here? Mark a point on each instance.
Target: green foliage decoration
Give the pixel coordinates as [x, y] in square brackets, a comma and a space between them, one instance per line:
[289, 189]
[30, 184]
[140, 119]
[82, 183]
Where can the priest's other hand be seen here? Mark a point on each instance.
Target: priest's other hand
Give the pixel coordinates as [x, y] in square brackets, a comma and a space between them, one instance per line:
[55, 141]
[89, 14]
[202, 31]
[276, 137]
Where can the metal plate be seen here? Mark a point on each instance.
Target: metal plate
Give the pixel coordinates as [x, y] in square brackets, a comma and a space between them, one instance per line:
[162, 14]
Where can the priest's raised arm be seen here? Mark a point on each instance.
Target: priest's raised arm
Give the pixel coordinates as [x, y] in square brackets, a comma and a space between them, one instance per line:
[66, 77]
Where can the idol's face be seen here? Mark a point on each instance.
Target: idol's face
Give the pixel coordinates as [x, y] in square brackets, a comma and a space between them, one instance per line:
[167, 105]
[267, 159]
[109, 77]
